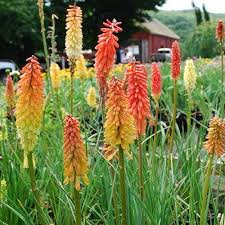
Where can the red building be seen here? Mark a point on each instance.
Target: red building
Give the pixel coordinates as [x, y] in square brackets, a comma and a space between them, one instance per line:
[153, 36]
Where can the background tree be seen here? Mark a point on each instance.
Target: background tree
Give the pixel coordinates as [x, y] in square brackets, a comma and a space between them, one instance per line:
[206, 13]
[202, 42]
[19, 36]
[20, 29]
[198, 14]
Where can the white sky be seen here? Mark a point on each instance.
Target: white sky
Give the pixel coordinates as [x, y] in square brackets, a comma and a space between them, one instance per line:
[213, 6]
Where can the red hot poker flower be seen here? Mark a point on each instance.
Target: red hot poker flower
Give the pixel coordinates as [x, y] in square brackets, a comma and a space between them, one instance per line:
[175, 60]
[156, 82]
[106, 51]
[75, 159]
[138, 95]
[220, 31]
[10, 93]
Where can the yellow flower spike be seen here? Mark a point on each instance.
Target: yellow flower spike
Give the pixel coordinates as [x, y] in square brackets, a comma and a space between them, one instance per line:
[91, 73]
[119, 123]
[74, 36]
[3, 190]
[29, 106]
[189, 76]
[91, 97]
[55, 75]
[81, 71]
[215, 143]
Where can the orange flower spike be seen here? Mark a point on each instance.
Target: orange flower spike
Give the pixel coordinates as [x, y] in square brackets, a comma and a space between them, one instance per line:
[220, 31]
[175, 60]
[75, 159]
[29, 106]
[156, 84]
[10, 93]
[119, 123]
[106, 51]
[215, 143]
[139, 102]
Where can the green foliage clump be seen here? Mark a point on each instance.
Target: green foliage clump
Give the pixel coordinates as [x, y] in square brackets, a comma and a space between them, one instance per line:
[202, 42]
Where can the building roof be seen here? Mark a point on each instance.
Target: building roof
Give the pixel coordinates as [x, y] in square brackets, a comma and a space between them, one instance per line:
[154, 26]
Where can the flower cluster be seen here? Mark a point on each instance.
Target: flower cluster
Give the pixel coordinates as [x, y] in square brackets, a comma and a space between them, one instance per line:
[3, 190]
[139, 102]
[189, 75]
[220, 31]
[119, 123]
[175, 61]
[75, 159]
[215, 143]
[29, 106]
[106, 52]
[81, 69]
[91, 97]
[10, 93]
[156, 84]
[74, 36]
[55, 75]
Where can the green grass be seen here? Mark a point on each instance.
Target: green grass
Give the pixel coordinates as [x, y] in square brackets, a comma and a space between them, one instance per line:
[171, 197]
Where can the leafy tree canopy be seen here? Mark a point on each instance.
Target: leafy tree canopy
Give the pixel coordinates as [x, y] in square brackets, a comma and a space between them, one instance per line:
[202, 42]
[20, 29]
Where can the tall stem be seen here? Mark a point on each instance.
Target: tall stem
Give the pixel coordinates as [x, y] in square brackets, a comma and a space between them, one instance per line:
[115, 202]
[122, 186]
[206, 190]
[155, 134]
[41, 15]
[77, 206]
[222, 81]
[72, 67]
[140, 168]
[35, 192]
[189, 113]
[174, 115]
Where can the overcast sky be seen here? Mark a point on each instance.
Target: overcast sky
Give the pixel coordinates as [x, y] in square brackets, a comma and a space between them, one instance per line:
[213, 6]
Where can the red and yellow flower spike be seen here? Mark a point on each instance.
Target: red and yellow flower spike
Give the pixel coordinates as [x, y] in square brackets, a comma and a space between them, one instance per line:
[10, 93]
[156, 84]
[29, 106]
[119, 123]
[106, 51]
[75, 159]
[74, 35]
[139, 102]
[175, 61]
[215, 143]
[220, 31]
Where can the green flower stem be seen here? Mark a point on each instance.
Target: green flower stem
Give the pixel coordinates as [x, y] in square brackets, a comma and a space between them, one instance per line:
[42, 21]
[140, 168]
[155, 135]
[122, 186]
[222, 83]
[72, 68]
[174, 116]
[189, 113]
[115, 202]
[206, 190]
[31, 171]
[77, 206]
